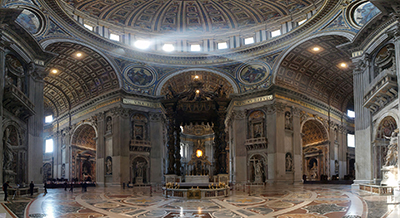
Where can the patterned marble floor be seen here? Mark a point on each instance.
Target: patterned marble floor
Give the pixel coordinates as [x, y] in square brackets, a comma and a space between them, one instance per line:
[279, 201]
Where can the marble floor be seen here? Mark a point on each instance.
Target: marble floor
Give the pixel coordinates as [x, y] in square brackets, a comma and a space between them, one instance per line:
[270, 201]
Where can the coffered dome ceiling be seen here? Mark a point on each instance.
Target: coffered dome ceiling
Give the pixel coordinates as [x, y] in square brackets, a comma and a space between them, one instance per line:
[188, 15]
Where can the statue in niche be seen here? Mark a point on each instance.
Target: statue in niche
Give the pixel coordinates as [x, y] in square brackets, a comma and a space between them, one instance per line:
[109, 166]
[289, 162]
[288, 120]
[258, 168]
[63, 171]
[109, 124]
[392, 151]
[139, 169]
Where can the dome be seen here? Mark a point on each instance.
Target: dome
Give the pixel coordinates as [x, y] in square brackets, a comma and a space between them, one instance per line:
[187, 17]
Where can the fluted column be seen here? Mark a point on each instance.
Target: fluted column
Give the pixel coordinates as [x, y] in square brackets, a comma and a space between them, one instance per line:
[100, 149]
[363, 165]
[35, 124]
[297, 158]
[280, 170]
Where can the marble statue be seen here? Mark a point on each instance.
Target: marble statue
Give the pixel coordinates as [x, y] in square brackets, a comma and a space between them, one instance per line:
[108, 166]
[288, 120]
[258, 168]
[289, 162]
[391, 158]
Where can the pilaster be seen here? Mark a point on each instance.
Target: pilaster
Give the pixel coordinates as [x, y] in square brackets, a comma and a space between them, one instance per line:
[157, 147]
[280, 169]
[239, 139]
[297, 149]
[100, 149]
[35, 124]
[2, 75]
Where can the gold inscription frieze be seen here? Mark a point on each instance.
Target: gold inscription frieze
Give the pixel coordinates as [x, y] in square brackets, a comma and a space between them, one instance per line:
[254, 100]
[141, 103]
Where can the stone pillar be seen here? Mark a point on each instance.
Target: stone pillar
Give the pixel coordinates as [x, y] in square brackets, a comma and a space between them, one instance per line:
[222, 139]
[297, 149]
[98, 119]
[123, 147]
[35, 125]
[271, 136]
[57, 155]
[239, 149]
[67, 154]
[363, 165]
[280, 170]
[157, 147]
[2, 75]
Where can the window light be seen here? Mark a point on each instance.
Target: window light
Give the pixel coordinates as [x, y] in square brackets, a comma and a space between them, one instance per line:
[88, 27]
[168, 47]
[142, 44]
[48, 119]
[275, 33]
[248, 40]
[49, 146]
[351, 142]
[302, 21]
[114, 37]
[195, 47]
[222, 45]
[351, 114]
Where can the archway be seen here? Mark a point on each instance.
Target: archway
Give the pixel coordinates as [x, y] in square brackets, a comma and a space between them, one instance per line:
[383, 133]
[315, 151]
[83, 154]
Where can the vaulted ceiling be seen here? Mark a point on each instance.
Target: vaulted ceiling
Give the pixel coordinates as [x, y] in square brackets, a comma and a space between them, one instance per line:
[318, 74]
[313, 132]
[84, 136]
[78, 79]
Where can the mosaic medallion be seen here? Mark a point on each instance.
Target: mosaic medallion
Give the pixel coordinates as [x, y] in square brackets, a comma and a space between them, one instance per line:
[29, 21]
[139, 75]
[253, 73]
[364, 13]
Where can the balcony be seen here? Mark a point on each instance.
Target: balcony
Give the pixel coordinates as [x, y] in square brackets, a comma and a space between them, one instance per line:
[139, 145]
[16, 102]
[382, 92]
[256, 143]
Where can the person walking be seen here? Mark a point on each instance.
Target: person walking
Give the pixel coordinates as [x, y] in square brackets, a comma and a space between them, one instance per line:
[45, 188]
[5, 187]
[65, 185]
[31, 187]
[71, 188]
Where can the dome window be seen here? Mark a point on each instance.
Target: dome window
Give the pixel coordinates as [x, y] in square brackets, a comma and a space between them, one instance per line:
[88, 27]
[114, 37]
[142, 44]
[301, 22]
[249, 40]
[195, 47]
[168, 47]
[275, 33]
[222, 45]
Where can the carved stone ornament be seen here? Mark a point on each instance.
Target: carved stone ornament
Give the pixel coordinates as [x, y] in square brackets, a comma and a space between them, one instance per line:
[239, 115]
[156, 116]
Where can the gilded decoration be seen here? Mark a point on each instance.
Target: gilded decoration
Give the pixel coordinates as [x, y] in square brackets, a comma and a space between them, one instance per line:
[313, 132]
[198, 130]
[139, 75]
[363, 13]
[84, 137]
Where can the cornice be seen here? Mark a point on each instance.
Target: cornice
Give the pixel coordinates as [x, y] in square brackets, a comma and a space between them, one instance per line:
[184, 59]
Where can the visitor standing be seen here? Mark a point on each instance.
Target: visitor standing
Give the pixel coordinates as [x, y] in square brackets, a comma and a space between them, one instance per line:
[45, 188]
[5, 187]
[65, 185]
[31, 187]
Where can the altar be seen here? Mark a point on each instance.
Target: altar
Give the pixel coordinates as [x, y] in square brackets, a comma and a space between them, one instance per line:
[197, 179]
